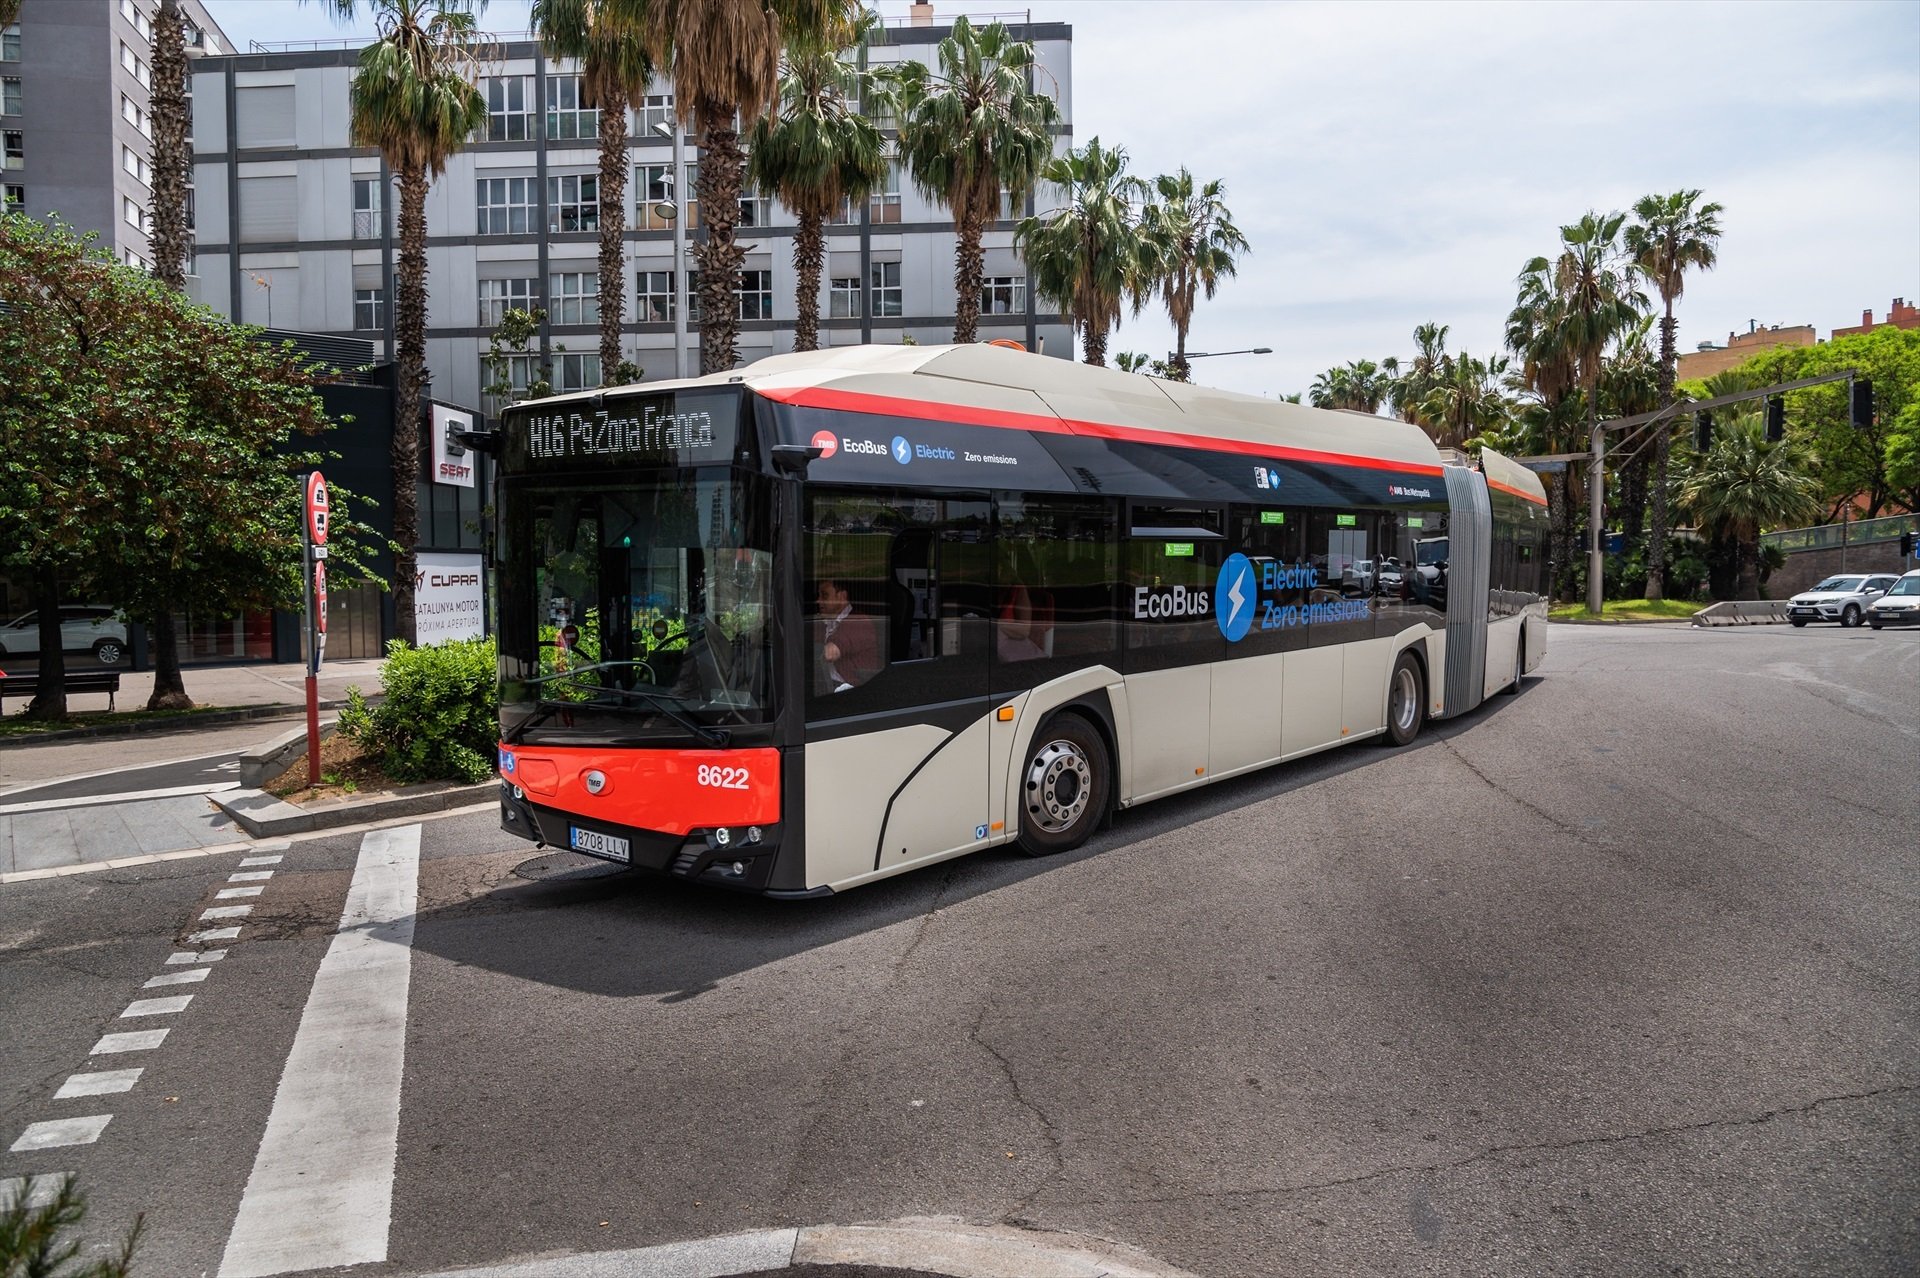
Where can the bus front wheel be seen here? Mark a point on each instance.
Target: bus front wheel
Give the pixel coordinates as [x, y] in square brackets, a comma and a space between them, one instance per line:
[1065, 786]
[1406, 701]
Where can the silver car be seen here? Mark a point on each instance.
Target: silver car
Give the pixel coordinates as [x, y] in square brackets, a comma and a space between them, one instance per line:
[1844, 599]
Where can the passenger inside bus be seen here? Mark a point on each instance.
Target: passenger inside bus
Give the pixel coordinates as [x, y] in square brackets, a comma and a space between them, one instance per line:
[849, 645]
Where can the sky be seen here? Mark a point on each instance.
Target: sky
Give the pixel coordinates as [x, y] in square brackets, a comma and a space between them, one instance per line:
[1394, 164]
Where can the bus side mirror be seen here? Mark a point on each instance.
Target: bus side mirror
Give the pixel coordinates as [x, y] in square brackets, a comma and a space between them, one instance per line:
[792, 459]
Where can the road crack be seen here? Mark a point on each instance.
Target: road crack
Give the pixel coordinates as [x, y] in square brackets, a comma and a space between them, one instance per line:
[1049, 1130]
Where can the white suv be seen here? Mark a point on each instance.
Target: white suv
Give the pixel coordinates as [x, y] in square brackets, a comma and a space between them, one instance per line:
[83, 628]
[1844, 599]
[1900, 606]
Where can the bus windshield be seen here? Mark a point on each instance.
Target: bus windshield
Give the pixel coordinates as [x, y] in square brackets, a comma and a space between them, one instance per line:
[640, 609]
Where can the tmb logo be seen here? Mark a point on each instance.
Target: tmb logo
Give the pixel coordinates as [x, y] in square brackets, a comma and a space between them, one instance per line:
[827, 442]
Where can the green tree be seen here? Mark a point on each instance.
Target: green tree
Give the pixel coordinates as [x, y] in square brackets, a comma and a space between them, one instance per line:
[1190, 244]
[615, 68]
[1630, 385]
[167, 240]
[1085, 256]
[1671, 236]
[815, 150]
[724, 57]
[510, 339]
[1425, 372]
[969, 133]
[146, 449]
[1741, 487]
[1360, 386]
[413, 99]
[1465, 400]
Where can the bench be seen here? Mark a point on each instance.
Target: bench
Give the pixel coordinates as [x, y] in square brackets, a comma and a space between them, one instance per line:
[107, 681]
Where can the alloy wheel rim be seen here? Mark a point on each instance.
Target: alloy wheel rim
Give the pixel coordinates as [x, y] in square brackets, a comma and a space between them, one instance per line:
[1059, 786]
[1405, 706]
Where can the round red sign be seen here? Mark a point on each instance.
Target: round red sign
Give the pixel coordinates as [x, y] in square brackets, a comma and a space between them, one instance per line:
[318, 504]
[827, 442]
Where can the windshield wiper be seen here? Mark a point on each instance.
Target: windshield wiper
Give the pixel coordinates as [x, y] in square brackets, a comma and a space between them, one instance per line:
[546, 709]
[661, 702]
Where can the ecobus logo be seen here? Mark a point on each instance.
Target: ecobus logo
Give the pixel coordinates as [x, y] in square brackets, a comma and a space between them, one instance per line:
[1167, 603]
[1233, 597]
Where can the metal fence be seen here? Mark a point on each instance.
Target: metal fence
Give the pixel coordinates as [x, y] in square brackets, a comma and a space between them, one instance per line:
[1858, 532]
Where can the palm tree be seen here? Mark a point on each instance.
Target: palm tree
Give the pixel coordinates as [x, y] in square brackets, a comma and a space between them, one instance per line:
[1193, 242]
[814, 151]
[724, 56]
[413, 99]
[1629, 385]
[172, 155]
[1086, 256]
[1547, 374]
[1743, 485]
[1670, 238]
[9, 12]
[1360, 386]
[1412, 387]
[972, 131]
[615, 68]
[1465, 400]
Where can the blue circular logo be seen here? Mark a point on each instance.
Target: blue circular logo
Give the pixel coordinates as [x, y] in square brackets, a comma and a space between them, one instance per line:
[902, 450]
[1234, 598]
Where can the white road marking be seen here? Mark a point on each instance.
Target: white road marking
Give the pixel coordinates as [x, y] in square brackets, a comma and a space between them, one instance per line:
[179, 957]
[321, 1192]
[99, 1084]
[261, 860]
[130, 1041]
[43, 1192]
[227, 912]
[216, 934]
[274, 845]
[132, 796]
[187, 977]
[157, 1006]
[229, 894]
[251, 876]
[62, 1131]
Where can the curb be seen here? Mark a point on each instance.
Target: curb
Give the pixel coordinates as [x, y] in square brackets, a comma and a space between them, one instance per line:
[262, 815]
[185, 723]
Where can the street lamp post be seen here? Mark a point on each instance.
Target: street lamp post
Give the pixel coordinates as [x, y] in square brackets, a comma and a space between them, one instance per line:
[670, 209]
[1251, 350]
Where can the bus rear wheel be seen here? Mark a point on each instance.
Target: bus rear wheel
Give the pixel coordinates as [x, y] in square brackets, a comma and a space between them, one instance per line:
[1406, 701]
[1065, 786]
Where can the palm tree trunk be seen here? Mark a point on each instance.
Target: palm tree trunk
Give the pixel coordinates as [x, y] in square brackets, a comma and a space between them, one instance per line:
[969, 268]
[721, 166]
[168, 241]
[1182, 370]
[1093, 342]
[1662, 444]
[169, 689]
[410, 336]
[809, 257]
[613, 229]
[50, 697]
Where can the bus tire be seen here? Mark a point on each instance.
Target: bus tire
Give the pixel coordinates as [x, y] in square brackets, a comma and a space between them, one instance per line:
[1406, 701]
[1064, 787]
[1519, 667]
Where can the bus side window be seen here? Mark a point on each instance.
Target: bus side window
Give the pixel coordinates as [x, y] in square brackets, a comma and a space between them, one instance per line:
[1274, 541]
[1173, 563]
[1056, 565]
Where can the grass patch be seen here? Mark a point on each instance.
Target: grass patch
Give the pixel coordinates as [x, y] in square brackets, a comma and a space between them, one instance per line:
[17, 725]
[1629, 610]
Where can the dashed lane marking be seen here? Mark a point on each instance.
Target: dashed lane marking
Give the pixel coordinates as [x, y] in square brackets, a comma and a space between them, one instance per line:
[215, 934]
[229, 894]
[59, 1132]
[103, 1083]
[321, 1191]
[158, 1006]
[260, 860]
[181, 957]
[251, 876]
[129, 1041]
[188, 977]
[227, 911]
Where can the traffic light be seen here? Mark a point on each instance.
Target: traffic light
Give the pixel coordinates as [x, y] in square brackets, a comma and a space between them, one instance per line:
[1776, 418]
[1906, 545]
[1702, 432]
[1862, 403]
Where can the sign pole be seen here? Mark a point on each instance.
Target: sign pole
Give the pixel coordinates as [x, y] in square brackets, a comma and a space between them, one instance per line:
[313, 537]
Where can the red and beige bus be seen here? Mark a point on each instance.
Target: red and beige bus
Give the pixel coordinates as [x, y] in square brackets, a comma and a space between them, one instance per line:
[837, 615]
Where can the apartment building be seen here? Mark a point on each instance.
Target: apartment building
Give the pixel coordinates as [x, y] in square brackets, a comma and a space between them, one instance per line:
[75, 78]
[295, 226]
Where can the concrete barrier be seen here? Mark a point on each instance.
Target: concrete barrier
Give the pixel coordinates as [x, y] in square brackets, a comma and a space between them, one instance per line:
[1743, 612]
[265, 762]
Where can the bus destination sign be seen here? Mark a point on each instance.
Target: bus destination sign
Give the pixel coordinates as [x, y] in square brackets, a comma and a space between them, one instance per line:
[666, 430]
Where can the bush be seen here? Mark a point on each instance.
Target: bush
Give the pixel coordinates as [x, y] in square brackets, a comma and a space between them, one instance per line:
[36, 1241]
[441, 716]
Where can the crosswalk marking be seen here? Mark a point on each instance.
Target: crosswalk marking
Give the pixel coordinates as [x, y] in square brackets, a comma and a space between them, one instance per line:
[59, 1132]
[102, 1083]
[130, 1041]
[158, 1006]
[188, 977]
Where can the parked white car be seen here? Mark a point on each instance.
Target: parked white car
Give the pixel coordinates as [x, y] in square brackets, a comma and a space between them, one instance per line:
[83, 628]
[1844, 599]
[1900, 606]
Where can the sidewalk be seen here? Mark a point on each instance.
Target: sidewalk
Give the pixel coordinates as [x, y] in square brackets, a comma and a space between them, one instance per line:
[225, 686]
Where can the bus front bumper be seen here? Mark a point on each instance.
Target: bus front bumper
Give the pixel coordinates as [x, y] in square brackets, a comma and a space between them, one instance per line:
[739, 857]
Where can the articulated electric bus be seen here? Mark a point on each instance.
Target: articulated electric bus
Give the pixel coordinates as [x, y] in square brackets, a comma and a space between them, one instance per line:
[841, 614]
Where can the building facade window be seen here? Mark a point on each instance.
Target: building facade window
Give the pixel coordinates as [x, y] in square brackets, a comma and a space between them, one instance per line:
[573, 297]
[515, 372]
[188, 211]
[369, 309]
[848, 214]
[756, 210]
[132, 214]
[1003, 295]
[133, 259]
[655, 185]
[133, 113]
[884, 204]
[497, 297]
[14, 153]
[131, 63]
[843, 297]
[568, 116]
[693, 298]
[509, 107]
[573, 203]
[656, 113]
[135, 164]
[755, 295]
[576, 372]
[367, 222]
[653, 297]
[10, 95]
[506, 205]
[10, 43]
[134, 14]
[16, 201]
[886, 290]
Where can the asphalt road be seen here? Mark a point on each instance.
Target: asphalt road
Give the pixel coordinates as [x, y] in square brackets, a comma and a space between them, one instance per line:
[1618, 976]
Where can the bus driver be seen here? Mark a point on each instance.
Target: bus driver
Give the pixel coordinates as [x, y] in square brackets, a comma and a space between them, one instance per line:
[849, 642]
